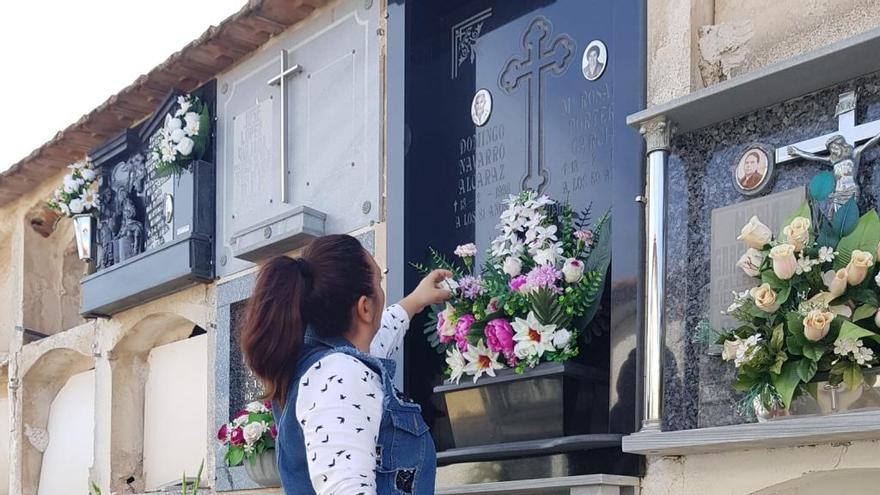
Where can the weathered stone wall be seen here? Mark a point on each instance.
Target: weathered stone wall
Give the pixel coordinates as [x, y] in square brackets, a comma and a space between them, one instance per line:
[697, 43]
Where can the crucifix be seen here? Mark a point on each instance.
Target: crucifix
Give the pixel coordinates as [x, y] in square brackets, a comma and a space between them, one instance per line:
[843, 154]
[541, 56]
[279, 80]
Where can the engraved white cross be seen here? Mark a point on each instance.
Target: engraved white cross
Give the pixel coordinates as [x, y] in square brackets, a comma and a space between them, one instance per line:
[279, 80]
[846, 127]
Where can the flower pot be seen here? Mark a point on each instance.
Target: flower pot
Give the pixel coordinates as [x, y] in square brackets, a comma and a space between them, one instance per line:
[263, 469]
[549, 401]
[84, 231]
[824, 399]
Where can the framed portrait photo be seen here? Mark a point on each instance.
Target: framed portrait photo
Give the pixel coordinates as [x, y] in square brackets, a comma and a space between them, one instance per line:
[753, 172]
[594, 60]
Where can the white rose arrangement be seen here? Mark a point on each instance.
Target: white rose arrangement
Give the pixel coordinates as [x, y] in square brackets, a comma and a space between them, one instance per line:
[78, 193]
[183, 138]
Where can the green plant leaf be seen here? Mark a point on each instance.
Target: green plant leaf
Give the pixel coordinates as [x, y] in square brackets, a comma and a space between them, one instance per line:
[865, 237]
[822, 185]
[849, 330]
[848, 372]
[864, 311]
[827, 235]
[863, 295]
[813, 350]
[235, 456]
[775, 283]
[781, 358]
[806, 369]
[777, 339]
[786, 382]
[846, 218]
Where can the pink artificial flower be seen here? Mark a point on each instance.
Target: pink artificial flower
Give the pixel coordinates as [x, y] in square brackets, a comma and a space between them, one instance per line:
[461, 331]
[268, 405]
[585, 236]
[237, 437]
[445, 337]
[241, 412]
[273, 431]
[499, 336]
[517, 283]
[492, 307]
[223, 434]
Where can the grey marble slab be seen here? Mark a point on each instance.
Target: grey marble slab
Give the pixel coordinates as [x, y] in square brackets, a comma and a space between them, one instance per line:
[697, 391]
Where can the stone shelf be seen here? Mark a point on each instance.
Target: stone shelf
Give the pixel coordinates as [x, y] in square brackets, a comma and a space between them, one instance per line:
[826, 66]
[793, 432]
[511, 450]
[591, 484]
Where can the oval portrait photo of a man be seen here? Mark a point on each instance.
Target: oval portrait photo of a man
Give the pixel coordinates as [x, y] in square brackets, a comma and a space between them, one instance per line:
[753, 171]
[594, 60]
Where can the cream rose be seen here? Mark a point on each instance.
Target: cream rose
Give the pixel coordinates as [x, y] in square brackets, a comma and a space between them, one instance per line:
[730, 348]
[857, 269]
[784, 263]
[512, 266]
[765, 298]
[816, 324]
[751, 261]
[755, 234]
[836, 281]
[797, 232]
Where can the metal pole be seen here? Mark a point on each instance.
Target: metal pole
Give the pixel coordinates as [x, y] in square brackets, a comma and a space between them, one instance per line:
[657, 134]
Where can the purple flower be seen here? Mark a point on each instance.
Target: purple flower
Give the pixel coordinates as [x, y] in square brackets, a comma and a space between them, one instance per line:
[471, 287]
[517, 283]
[543, 277]
[462, 327]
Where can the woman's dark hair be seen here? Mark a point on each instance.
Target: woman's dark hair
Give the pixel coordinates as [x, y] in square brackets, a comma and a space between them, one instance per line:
[317, 290]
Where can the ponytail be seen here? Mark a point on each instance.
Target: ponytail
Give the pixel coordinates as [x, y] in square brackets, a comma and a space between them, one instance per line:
[274, 326]
[318, 291]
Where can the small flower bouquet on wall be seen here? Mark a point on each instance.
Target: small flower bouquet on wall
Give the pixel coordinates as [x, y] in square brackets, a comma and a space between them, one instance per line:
[251, 433]
[533, 298]
[813, 308]
[79, 192]
[184, 137]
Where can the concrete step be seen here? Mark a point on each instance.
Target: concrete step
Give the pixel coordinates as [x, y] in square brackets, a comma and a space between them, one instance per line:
[591, 484]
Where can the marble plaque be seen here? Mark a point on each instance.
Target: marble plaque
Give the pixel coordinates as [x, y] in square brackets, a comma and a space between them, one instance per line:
[727, 222]
[252, 180]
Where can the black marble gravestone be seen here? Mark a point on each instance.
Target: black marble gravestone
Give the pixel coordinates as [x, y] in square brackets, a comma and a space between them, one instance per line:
[155, 234]
[550, 128]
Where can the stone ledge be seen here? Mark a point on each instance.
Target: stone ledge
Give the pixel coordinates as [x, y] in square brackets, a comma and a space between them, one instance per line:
[591, 484]
[793, 432]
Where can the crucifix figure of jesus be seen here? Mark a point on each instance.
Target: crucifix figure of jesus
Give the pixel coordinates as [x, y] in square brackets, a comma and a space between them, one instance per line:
[541, 56]
[843, 155]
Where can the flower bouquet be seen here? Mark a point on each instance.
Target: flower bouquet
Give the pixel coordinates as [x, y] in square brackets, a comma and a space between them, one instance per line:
[79, 192]
[533, 298]
[251, 433]
[813, 308]
[183, 138]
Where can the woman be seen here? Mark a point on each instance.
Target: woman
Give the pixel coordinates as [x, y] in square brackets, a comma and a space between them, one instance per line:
[318, 337]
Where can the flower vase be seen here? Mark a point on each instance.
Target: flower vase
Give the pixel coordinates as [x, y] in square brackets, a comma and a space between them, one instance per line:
[764, 415]
[84, 231]
[262, 469]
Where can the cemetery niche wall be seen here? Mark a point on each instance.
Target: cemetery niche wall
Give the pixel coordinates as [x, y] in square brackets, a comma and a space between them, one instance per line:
[155, 232]
[499, 97]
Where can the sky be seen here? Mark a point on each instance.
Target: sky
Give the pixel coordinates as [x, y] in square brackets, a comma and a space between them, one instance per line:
[62, 58]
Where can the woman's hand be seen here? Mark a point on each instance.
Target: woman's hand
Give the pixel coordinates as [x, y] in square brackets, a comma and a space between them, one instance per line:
[429, 291]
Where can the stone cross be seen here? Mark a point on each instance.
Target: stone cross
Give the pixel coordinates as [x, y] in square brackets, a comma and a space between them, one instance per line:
[843, 155]
[541, 56]
[279, 80]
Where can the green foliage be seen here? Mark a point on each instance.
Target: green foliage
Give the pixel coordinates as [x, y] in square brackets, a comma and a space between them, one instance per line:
[846, 218]
[822, 185]
[94, 489]
[192, 488]
[438, 262]
[548, 310]
[864, 237]
[786, 382]
[430, 329]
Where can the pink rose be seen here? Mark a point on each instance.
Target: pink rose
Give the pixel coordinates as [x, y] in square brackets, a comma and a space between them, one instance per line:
[461, 331]
[492, 307]
[237, 437]
[274, 432]
[223, 433]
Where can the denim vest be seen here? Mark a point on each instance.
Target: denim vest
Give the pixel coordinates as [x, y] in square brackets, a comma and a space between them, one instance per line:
[406, 456]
